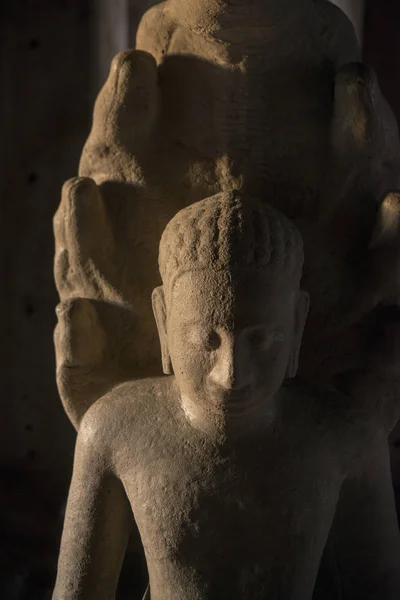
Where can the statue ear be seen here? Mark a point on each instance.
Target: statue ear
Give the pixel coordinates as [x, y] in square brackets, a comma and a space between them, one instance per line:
[301, 312]
[387, 226]
[160, 314]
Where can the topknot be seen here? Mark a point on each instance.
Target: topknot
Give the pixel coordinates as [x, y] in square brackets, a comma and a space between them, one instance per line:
[229, 231]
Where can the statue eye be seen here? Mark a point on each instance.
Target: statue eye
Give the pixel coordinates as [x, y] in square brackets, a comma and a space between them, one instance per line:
[259, 337]
[262, 339]
[212, 341]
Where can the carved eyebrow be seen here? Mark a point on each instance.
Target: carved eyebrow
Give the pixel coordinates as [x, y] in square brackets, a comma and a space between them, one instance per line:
[276, 332]
[268, 324]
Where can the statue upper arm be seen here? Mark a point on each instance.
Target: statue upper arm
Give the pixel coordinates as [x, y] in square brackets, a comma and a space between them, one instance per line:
[364, 532]
[98, 520]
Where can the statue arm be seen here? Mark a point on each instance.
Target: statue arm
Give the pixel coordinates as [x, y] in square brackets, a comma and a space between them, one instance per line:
[365, 533]
[97, 524]
[375, 388]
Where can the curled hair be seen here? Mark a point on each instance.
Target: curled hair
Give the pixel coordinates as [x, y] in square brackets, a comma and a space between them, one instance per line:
[228, 232]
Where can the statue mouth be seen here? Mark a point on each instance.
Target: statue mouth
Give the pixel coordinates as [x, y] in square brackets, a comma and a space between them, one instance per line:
[237, 403]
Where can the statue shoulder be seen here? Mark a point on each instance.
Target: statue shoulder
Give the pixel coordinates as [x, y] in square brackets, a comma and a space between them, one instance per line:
[119, 416]
[330, 408]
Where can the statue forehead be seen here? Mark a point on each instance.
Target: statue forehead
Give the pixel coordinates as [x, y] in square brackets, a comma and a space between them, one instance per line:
[222, 292]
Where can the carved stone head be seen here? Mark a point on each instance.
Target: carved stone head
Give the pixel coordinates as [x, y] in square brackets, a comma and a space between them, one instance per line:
[230, 313]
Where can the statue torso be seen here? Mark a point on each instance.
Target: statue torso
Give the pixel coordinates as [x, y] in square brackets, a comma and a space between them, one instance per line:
[248, 519]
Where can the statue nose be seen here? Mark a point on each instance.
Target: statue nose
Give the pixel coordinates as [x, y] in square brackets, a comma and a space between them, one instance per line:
[231, 370]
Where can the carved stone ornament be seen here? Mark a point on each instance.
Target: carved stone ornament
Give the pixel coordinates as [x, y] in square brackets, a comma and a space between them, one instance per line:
[244, 131]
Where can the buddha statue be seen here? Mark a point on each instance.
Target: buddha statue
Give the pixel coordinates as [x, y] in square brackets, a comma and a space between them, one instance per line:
[235, 473]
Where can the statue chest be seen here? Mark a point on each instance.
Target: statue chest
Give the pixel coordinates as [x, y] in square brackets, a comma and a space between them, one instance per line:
[198, 507]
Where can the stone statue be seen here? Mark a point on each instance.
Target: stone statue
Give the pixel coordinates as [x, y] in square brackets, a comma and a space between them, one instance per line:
[235, 476]
[268, 97]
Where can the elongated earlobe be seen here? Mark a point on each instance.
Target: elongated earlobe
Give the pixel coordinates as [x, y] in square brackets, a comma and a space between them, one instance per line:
[303, 304]
[160, 314]
[387, 226]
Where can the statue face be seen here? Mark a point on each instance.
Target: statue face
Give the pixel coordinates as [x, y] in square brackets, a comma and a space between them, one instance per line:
[230, 338]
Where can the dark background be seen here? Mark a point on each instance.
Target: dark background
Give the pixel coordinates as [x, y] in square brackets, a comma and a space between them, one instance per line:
[54, 56]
